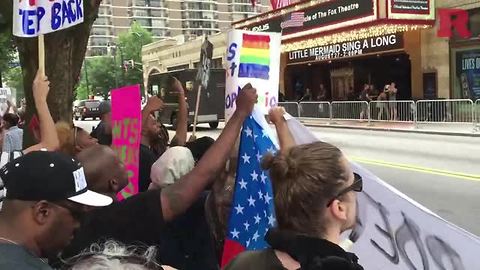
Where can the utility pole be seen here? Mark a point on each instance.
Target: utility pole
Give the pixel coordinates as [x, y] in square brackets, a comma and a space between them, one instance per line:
[86, 76]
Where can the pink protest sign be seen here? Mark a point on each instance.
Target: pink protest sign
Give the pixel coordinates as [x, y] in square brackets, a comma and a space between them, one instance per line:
[126, 127]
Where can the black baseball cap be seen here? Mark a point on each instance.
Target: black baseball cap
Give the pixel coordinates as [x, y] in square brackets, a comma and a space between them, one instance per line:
[50, 176]
[105, 107]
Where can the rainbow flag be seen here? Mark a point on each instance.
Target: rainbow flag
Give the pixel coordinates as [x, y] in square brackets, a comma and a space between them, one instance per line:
[255, 57]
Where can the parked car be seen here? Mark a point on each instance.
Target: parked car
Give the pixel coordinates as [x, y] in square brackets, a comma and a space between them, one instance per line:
[87, 109]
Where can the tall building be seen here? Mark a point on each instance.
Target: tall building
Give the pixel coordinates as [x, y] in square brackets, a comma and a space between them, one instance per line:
[168, 18]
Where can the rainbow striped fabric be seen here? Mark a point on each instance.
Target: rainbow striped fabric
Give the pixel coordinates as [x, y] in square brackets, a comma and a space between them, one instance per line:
[255, 57]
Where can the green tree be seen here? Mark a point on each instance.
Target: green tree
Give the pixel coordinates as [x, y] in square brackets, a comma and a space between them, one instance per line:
[130, 48]
[103, 74]
[14, 79]
[7, 51]
[64, 54]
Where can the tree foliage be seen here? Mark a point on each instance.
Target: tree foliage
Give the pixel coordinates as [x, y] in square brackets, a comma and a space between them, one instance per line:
[13, 77]
[101, 74]
[130, 48]
[7, 53]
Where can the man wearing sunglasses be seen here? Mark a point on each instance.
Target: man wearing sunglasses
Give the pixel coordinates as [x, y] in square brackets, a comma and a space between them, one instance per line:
[46, 197]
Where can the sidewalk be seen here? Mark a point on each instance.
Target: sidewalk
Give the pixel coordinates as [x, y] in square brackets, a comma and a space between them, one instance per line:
[455, 129]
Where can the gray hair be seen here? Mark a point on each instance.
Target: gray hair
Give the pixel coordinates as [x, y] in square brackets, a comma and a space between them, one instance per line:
[113, 255]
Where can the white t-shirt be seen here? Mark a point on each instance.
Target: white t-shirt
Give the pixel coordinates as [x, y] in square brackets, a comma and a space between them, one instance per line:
[4, 159]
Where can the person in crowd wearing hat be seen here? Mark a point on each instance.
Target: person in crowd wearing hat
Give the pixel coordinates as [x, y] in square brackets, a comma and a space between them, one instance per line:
[315, 201]
[49, 138]
[171, 166]
[103, 131]
[142, 218]
[45, 199]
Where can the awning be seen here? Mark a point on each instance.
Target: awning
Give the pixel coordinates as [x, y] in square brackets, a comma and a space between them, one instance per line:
[336, 21]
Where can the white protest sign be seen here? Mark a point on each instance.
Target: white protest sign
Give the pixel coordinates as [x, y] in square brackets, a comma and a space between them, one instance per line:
[396, 233]
[35, 17]
[5, 95]
[254, 58]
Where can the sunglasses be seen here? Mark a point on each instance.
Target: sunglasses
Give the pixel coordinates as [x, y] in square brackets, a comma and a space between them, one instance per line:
[357, 186]
[77, 213]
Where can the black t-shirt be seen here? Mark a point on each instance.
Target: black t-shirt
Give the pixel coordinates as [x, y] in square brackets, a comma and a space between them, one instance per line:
[137, 220]
[147, 158]
[184, 243]
[100, 134]
[256, 260]
[17, 257]
[187, 241]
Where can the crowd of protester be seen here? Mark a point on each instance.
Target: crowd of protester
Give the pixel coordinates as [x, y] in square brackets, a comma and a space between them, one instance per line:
[60, 208]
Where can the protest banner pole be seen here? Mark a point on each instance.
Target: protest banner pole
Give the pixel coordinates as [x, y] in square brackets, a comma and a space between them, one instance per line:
[197, 105]
[41, 55]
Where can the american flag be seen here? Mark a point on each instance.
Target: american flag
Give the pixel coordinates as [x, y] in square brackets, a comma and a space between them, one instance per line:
[253, 210]
[276, 4]
[295, 19]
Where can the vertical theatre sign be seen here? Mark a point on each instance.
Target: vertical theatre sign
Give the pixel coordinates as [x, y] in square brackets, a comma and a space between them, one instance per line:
[468, 73]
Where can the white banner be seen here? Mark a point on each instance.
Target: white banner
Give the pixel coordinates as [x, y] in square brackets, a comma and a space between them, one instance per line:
[34, 17]
[394, 232]
[252, 58]
[5, 95]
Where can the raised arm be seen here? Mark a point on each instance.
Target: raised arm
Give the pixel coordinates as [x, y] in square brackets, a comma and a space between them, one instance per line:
[177, 198]
[154, 103]
[49, 138]
[182, 120]
[285, 138]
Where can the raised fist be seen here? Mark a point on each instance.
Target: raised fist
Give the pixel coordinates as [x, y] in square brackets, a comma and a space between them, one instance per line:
[247, 97]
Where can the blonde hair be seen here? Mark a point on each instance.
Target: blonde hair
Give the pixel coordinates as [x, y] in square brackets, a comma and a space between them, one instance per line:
[66, 137]
[304, 179]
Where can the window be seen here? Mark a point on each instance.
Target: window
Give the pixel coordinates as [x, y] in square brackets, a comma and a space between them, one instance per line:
[158, 23]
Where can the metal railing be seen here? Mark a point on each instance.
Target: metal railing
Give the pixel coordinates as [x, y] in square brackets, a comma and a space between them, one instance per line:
[446, 111]
[477, 114]
[350, 110]
[458, 113]
[291, 108]
[315, 110]
[400, 110]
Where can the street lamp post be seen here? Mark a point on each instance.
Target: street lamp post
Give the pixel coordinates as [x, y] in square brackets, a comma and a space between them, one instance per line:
[109, 48]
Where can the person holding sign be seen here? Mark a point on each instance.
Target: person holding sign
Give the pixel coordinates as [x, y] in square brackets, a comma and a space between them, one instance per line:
[49, 137]
[151, 131]
[315, 201]
[143, 217]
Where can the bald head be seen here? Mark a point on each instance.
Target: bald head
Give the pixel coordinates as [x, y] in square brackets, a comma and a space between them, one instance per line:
[104, 171]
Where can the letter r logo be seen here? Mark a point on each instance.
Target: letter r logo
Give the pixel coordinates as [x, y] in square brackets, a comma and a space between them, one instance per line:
[453, 18]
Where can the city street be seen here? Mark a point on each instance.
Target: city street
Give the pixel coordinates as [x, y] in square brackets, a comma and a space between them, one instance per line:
[440, 172]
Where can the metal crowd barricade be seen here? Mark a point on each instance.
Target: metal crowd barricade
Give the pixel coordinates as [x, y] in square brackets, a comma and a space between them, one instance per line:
[291, 108]
[399, 110]
[477, 114]
[315, 110]
[350, 110]
[445, 111]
